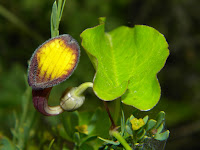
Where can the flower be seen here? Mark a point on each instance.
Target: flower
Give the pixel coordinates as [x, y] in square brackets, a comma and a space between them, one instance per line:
[82, 129]
[137, 123]
[51, 63]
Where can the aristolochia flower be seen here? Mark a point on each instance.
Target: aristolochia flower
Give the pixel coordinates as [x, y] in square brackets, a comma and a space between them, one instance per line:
[51, 63]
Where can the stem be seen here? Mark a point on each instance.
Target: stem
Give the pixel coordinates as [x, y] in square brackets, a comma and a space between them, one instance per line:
[79, 90]
[19, 23]
[117, 110]
[120, 139]
[113, 126]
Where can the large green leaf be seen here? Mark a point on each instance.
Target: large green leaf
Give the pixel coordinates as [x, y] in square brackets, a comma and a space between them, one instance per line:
[127, 60]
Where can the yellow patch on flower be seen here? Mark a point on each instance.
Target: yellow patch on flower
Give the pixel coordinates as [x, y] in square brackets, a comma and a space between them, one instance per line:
[82, 129]
[53, 62]
[55, 59]
[137, 123]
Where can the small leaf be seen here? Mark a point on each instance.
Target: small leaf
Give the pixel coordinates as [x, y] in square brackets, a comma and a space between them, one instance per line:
[87, 139]
[102, 20]
[77, 138]
[99, 124]
[63, 134]
[128, 60]
[109, 141]
[86, 146]
[51, 143]
[60, 3]
[54, 15]
[74, 119]
[131, 117]
[6, 144]
[123, 125]
[141, 135]
[145, 119]
[160, 128]
[162, 136]
[150, 124]
[160, 117]
[129, 130]
[61, 11]
[70, 120]
[128, 123]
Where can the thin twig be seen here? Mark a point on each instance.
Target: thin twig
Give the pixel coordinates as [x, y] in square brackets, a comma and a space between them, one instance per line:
[113, 126]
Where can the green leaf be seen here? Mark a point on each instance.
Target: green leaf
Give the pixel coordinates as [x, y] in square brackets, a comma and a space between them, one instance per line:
[54, 20]
[123, 125]
[51, 143]
[54, 14]
[99, 124]
[150, 124]
[70, 121]
[60, 10]
[102, 20]
[141, 135]
[109, 141]
[131, 117]
[129, 130]
[145, 119]
[160, 128]
[87, 139]
[160, 118]
[127, 58]
[6, 144]
[60, 3]
[86, 147]
[162, 136]
[77, 139]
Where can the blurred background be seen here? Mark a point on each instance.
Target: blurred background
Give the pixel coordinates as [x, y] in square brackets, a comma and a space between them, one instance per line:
[25, 24]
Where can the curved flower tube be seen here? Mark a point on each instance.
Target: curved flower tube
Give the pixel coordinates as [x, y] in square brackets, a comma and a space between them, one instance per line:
[51, 63]
[40, 101]
[71, 100]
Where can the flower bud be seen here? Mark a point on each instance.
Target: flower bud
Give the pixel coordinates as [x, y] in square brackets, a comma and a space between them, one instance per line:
[71, 101]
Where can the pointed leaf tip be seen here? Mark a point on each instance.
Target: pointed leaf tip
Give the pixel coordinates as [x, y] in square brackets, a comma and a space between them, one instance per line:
[162, 136]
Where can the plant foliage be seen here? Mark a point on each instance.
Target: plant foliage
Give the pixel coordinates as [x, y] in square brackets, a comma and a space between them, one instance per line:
[127, 61]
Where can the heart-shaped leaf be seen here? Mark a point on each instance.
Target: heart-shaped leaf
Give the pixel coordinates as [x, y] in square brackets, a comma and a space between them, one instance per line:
[127, 60]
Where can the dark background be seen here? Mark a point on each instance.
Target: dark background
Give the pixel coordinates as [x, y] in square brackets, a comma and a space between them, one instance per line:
[25, 24]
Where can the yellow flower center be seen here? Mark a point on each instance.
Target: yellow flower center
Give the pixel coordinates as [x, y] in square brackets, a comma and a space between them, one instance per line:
[137, 123]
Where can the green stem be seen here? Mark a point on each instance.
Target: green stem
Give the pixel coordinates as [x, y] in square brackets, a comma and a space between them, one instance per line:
[120, 139]
[117, 110]
[19, 23]
[25, 104]
[79, 91]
